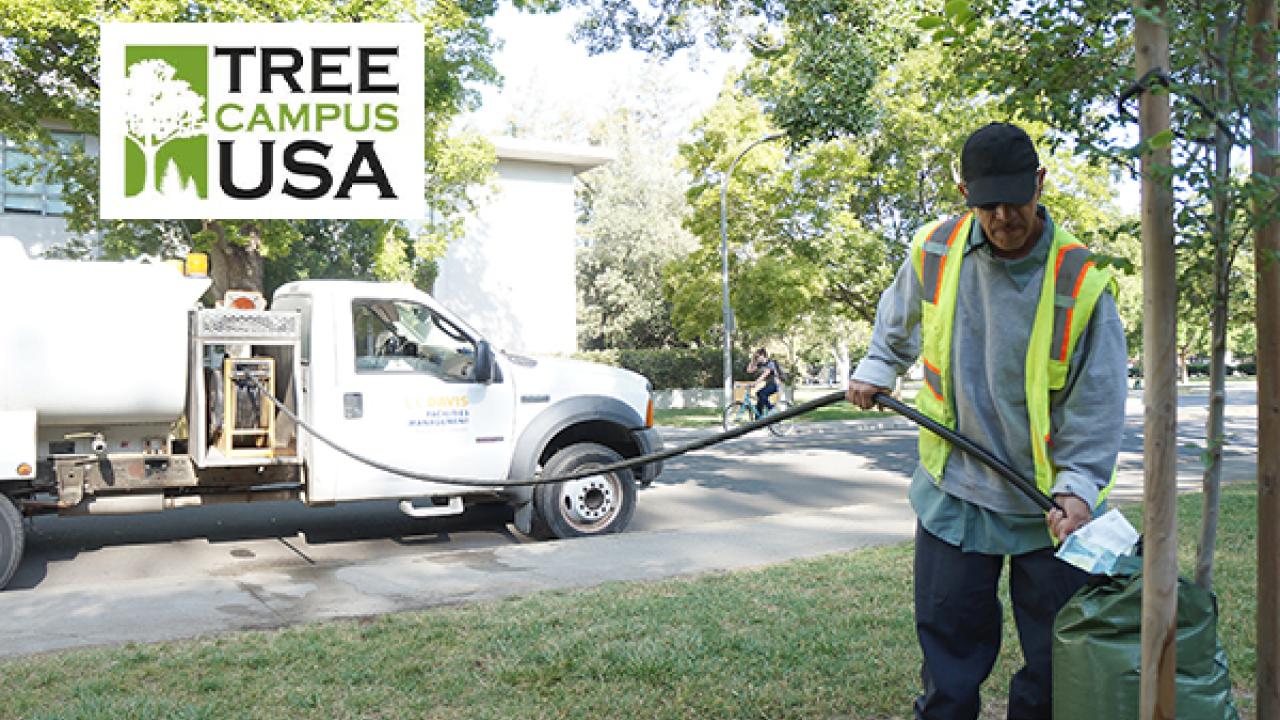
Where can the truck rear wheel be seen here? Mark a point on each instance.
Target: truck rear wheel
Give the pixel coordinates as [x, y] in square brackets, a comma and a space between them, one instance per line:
[594, 505]
[12, 539]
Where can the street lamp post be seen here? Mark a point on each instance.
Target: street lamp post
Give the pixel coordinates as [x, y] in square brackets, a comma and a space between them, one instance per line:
[727, 311]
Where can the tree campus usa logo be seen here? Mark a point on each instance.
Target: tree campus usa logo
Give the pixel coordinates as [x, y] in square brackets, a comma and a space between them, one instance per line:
[261, 120]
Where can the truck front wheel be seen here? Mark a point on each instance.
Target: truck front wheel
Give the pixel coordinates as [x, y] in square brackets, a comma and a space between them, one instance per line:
[12, 539]
[594, 505]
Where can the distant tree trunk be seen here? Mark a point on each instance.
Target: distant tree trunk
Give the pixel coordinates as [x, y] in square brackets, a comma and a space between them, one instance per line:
[1222, 257]
[840, 352]
[232, 265]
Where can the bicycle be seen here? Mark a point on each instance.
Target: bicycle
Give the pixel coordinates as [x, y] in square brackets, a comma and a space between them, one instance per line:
[741, 412]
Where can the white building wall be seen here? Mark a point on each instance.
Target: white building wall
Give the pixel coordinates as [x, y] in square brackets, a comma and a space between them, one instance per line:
[513, 276]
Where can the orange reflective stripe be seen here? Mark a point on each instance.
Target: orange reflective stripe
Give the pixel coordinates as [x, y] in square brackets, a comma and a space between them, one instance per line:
[1062, 252]
[1075, 293]
[933, 256]
[932, 378]
[943, 265]
[1070, 268]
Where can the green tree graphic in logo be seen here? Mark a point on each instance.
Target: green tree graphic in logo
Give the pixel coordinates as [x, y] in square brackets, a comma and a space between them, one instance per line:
[166, 145]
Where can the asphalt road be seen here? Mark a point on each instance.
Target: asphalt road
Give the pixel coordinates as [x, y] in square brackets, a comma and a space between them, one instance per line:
[794, 483]
[820, 466]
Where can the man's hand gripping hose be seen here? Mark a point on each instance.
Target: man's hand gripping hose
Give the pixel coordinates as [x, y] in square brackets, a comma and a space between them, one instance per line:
[766, 421]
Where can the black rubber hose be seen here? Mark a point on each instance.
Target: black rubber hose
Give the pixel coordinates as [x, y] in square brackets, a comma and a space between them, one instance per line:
[624, 465]
[1045, 502]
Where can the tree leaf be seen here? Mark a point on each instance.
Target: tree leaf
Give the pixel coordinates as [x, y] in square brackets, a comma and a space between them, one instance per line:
[1160, 140]
[928, 22]
[955, 7]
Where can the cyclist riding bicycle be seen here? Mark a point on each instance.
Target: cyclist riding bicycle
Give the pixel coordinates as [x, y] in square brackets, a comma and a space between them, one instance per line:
[767, 382]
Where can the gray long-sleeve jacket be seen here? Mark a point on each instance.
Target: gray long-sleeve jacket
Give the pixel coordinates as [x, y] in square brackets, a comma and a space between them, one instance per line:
[995, 310]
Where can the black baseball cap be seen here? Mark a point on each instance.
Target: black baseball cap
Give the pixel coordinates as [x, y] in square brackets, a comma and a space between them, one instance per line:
[999, 164]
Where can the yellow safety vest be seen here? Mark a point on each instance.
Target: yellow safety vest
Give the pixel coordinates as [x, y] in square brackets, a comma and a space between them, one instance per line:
[1071, 287]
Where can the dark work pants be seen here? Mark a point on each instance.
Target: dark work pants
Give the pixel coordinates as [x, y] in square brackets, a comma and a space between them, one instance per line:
[958, 619]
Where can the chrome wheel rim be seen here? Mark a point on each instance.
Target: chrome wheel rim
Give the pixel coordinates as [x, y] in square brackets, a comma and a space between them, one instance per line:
[590, 503]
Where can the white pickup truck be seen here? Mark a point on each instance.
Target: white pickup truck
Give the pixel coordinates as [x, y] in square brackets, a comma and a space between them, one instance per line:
[119, 395]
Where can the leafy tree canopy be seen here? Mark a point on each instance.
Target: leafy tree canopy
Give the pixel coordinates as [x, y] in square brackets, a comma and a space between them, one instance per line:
[817, 59]
[821, 229]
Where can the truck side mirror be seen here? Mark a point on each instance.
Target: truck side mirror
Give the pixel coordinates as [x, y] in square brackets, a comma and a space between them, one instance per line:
[484, 362]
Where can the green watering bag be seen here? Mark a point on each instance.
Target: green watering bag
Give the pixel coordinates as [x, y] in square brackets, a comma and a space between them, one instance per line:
[1097, 648]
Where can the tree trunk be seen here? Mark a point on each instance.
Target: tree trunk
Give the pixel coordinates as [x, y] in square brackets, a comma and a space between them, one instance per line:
[1159, 341]
[840, 352]
[233, 265]
[1211, 482]
[1262, 21]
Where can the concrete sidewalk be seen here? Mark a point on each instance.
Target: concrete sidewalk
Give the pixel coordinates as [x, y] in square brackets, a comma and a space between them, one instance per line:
[165, 609]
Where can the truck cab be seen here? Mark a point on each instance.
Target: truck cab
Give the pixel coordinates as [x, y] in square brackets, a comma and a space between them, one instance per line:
[340, 391]
[402, 379]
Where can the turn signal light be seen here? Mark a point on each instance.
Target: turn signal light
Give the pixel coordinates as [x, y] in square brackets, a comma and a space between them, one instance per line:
[24, 469]
[648, 414]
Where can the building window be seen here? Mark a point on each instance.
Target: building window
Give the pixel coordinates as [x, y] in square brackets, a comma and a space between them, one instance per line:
[32, 193]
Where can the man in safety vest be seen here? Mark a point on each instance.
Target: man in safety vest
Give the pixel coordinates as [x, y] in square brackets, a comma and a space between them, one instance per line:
[1023, 352]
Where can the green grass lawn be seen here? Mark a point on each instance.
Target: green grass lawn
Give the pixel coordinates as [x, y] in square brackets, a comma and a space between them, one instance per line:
[824, 638]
